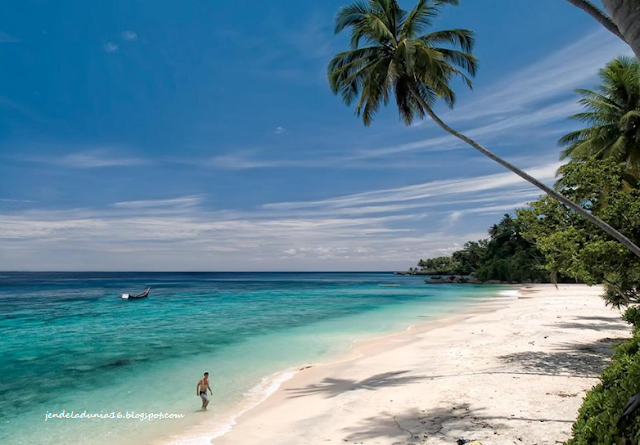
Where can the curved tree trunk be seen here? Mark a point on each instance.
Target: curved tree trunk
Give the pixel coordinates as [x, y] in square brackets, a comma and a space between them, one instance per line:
[626, 16]
[598, 15]
[548, 190]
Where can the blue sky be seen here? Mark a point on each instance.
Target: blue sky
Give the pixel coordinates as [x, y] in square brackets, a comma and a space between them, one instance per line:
[201, 135]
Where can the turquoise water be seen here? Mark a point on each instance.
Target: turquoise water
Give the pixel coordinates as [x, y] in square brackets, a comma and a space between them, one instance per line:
[69, 343]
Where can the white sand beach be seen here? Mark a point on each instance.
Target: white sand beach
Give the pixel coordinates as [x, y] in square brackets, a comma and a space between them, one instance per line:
[512, 372]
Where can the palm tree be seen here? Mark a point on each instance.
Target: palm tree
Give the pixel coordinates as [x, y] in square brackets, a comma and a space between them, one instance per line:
[626, 15]
[613, 113]
[623, 19]
[398, 59]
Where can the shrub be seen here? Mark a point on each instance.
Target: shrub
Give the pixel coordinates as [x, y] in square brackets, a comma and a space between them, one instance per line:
[598, 418]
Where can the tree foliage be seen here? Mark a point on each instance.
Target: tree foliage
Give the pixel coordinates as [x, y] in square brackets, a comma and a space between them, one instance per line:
[574, 247]
[612, 112]
[391, 55]
[505, 256]
[599, 418]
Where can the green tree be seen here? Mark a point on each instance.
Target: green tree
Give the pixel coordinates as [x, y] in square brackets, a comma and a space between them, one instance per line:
[509, 257]
[613, 115]
[505, 256]
[399, 59]
[440, 265]
[571, 246]
[471, 256]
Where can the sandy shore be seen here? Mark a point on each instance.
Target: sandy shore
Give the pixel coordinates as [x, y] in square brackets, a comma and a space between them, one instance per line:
[513, 372]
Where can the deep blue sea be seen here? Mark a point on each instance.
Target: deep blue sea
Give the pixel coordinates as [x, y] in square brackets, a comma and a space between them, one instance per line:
[69, 343]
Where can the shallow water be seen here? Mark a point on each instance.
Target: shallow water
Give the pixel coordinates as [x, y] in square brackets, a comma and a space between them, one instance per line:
[69, 343]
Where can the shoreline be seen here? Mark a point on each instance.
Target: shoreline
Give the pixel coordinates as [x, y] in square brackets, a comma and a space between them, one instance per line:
[208, 433]
[313, 393]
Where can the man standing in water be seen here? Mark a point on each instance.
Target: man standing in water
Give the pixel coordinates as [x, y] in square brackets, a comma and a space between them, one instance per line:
[201, 390]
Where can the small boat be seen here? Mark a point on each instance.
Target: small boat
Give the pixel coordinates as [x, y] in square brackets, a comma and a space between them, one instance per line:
[144, 294]
[389, 285]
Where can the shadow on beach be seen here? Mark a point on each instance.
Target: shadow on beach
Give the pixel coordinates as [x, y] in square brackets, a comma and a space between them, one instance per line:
[334, 387]
[416, 426]
[580, 360]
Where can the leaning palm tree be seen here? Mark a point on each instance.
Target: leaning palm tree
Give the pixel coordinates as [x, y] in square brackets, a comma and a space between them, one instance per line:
[390, 55]
[613, 115]
[626, 15]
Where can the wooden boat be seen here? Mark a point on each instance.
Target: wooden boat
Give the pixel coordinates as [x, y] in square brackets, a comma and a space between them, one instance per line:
[144, 294]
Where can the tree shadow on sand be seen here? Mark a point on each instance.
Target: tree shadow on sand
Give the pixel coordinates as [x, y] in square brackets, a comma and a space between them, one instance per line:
[447, 424]
[606, 326]
[331, 387]
[616, 319]
[415, 426]
[585, 359]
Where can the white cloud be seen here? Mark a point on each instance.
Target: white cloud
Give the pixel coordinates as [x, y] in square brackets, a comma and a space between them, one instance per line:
[533, 119]
[15, 200]
[376, 229]
[279, 130]
[184, 202]
[129, 35]
[88, 159]
[110, 47]
[426, 190]
[556, 75]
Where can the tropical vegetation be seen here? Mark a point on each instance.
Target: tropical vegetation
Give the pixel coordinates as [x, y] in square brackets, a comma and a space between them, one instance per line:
[391, 54]
[506, 256]
[600, 419]
[612, 113]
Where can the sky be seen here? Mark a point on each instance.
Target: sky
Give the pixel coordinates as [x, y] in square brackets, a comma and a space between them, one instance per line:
[202, 136]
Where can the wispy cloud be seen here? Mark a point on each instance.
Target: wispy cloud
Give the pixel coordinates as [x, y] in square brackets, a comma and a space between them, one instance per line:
[88, 159]
[279, 130]
[556, 75]
[386, 228]
[129, 35]
[426, 190]
[110, 47]
[15, 200]
[183, 202]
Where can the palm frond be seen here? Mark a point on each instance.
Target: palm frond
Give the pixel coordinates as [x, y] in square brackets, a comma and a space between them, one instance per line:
[420, 17]
[612, 111]
[351, 15]
[463, 38]
[460, 59]
[387, 58]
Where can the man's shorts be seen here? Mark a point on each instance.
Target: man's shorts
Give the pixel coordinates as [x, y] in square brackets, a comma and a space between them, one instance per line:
[204, 396]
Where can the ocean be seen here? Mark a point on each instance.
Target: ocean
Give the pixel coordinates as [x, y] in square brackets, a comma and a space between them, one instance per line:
[70, 344]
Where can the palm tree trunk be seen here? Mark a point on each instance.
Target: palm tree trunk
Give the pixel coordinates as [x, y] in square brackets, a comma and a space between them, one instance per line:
[598, 15]
[626, 15]
[548, 190]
